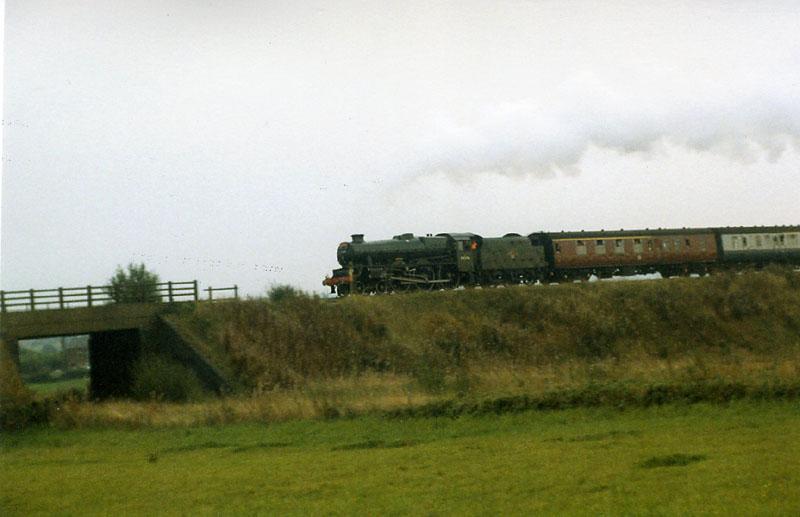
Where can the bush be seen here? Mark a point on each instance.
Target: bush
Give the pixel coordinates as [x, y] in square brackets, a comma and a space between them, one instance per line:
[280, 293]
[18, 409]
[430, 372]
[137, 284]
[156, 377]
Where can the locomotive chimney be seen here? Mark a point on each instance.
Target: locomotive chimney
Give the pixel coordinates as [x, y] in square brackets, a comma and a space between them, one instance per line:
[357, 237]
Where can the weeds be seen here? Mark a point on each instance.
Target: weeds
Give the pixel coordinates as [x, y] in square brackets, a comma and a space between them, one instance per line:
[156, 377]
[672, 460]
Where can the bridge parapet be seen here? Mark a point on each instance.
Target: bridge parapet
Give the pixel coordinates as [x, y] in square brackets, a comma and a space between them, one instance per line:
[91, 296]
[79, 320]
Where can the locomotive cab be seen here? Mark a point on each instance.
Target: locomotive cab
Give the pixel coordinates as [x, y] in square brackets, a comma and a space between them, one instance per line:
[467, 248]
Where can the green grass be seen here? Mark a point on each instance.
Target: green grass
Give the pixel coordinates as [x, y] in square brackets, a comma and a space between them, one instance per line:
[739, 458]
[47, 388]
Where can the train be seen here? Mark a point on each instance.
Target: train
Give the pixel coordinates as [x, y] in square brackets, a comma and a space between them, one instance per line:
[446, 260]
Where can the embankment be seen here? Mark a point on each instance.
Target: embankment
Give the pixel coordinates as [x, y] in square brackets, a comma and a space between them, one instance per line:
[723, 324]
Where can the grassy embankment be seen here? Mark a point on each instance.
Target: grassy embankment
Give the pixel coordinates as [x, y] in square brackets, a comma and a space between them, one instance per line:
[743, 458]
[716, 338]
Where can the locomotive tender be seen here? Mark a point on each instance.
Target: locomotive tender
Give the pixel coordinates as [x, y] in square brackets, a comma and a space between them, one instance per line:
[408, 262]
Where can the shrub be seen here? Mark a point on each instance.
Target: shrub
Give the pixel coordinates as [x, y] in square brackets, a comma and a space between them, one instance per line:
[279, 293]
[137, 284]
[430, 373]
[161, 378]
[16, 402]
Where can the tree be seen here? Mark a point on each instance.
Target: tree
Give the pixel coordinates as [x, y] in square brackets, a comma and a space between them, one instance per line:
[137, 284]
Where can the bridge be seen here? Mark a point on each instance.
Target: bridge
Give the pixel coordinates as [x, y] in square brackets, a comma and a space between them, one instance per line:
[118, 332]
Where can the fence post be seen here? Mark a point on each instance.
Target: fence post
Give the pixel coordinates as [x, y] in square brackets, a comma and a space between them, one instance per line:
[33, 300]
[235, 292]
[2, 301]
[89, 295]
[169, 290]
[195, 290]
[210, 293]
[60, 297]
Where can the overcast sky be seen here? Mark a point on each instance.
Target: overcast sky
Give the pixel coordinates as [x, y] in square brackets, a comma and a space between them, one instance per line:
[241, 141]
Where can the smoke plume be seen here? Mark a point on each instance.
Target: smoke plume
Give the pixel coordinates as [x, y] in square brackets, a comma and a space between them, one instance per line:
[548, 137]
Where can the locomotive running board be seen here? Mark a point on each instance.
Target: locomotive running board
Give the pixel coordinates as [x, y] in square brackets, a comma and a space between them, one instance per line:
[412, 280]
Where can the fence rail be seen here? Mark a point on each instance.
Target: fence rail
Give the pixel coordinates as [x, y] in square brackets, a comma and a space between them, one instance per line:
[91, 295]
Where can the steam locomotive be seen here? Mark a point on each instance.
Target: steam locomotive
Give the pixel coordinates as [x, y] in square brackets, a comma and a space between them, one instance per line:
[408, 262]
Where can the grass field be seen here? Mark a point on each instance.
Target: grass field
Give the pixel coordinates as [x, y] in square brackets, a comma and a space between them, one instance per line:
[46, 388]
[741, 458]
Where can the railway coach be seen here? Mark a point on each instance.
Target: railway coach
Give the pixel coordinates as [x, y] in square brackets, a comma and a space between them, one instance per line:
[572, 255]
[758, 245]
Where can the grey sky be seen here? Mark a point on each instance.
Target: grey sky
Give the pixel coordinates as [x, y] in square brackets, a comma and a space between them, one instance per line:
[239, 142]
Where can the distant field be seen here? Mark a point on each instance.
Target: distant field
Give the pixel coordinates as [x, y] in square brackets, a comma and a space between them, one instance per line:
[741, 458]
[45, 388]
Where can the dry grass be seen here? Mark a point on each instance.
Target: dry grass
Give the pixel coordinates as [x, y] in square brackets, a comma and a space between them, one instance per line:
[381, 393]
[739, 366]
[344, 396]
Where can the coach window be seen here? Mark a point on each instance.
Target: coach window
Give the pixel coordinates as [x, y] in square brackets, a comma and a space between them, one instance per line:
[702, 243]
[758, 241]
[744, 242]
[558, 248]
[637, 245]
[688, 243]
[665, 244]
[619, 246]
[677, 244]
[580, 248]
[600, 247]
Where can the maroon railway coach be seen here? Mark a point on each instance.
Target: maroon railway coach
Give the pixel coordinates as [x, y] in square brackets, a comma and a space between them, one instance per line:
[627, 252]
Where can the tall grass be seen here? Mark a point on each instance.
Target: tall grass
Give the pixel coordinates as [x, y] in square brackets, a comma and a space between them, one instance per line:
[283, 343]
[433, 336]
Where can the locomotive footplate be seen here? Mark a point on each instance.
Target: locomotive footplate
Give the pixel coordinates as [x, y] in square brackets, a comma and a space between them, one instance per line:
[417, 280]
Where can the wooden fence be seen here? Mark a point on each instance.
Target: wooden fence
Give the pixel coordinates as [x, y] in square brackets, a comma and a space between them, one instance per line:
[92, 295]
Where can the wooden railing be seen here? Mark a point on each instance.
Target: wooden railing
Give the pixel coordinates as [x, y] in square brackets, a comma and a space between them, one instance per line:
[211, 290]
[92, 295]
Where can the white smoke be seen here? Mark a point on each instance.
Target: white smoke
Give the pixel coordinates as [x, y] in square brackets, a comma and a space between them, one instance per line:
[544, 137]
